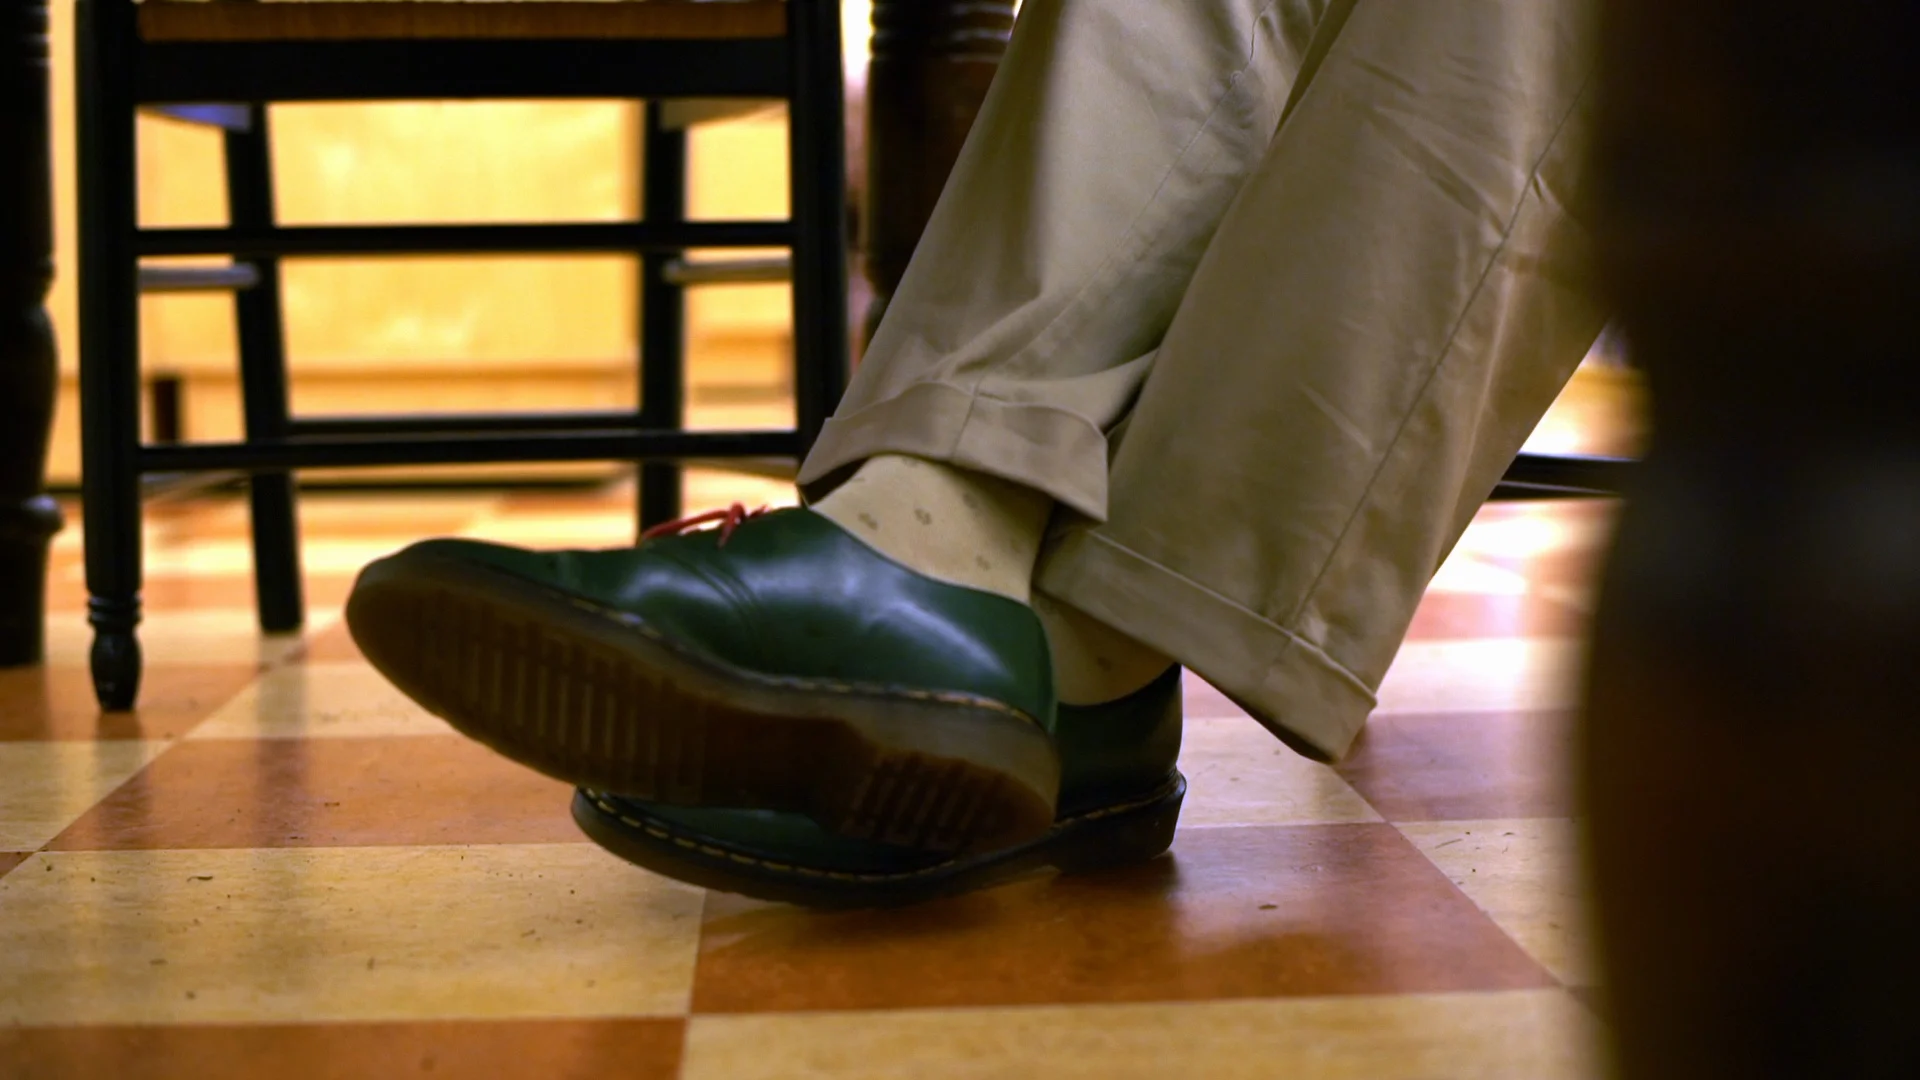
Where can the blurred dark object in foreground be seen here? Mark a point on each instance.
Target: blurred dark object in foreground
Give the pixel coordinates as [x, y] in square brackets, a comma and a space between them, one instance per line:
[1753, 755]
[28, 518]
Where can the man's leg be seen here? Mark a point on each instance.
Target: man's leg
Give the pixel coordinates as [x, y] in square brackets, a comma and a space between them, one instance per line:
[1392, 304]
[1114, 140]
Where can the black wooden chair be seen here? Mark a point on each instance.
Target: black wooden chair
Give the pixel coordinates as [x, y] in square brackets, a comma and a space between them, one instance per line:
[239, 55]
[1559, 476]
[1563, 476]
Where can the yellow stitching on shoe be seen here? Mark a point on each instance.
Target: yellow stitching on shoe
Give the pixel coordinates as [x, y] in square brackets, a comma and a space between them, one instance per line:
[600, 801]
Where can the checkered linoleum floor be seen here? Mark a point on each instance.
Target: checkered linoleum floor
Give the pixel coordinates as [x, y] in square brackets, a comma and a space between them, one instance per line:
[279, 867]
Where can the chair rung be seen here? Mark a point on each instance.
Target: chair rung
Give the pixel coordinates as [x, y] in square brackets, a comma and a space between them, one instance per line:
[682, 114]
[173, 279]
[322, 240]
[627, 444]
[192, 71]
[321, 20]
[728, 271]
[224, 117]
[768, 468]
[1568, 474]
[1505, 492]
[160, 487]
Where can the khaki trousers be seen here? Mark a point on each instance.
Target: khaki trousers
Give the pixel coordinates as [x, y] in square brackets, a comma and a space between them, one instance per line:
[1267, 294]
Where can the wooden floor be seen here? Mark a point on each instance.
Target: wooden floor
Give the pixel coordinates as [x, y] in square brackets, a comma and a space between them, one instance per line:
[278, 866]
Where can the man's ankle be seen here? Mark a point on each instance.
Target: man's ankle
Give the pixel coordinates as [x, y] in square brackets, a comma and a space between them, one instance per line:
[1092, 662]
[958, 526]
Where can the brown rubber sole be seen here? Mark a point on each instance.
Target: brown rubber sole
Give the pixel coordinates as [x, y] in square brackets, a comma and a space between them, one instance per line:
[599, 699]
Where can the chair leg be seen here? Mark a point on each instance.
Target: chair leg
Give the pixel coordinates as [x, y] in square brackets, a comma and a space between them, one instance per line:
[817, 147]
[28, 369]
[263, 382]
[663, 339]
[110, 347]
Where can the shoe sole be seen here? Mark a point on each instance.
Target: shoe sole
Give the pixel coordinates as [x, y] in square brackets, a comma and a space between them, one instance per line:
[1123, 834]
[599, 699]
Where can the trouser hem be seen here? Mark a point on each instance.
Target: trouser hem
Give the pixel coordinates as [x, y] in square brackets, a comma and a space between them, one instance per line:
[1286, 682]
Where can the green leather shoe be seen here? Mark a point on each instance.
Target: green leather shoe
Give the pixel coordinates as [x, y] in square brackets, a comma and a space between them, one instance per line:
[1119, 802]
[776, 663]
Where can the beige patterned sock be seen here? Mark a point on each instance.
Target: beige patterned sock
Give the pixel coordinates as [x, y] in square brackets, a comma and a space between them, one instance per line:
[983, 532]
[1092, 662]
[962, 527]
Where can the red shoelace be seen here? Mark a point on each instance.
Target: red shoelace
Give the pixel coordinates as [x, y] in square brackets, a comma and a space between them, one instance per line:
[729, 520]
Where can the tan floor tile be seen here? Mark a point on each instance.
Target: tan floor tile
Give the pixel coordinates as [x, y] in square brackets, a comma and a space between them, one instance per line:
[494, 1049]
[67, 590]
[331, 645]
[617, 496]
[1524, 1035]
[67, 545]
[567, 520]
[57, 702]
[715, 413]
[708, 488]
[1234, 913]
[1470, 673]
[1482, 676]
[1202, 701]
[1578, 597]
[1238, 774]
[11, 859]
[46, 786]
[1466, 616]
[334, 556]
[1525, 873]
[397, 514]
[556, 530]
[1529, 530]
[523, 931]
[1463, 574]
[1462, 766]
[160, 525]
[259, 793]
[207, 510]
[1573, 571]
[215, 636]
[319, 700]
[323, 515]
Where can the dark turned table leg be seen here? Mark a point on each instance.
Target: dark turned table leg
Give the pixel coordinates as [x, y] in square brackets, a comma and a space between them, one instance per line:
[28, 518]
[1752, 732]
[932, 63]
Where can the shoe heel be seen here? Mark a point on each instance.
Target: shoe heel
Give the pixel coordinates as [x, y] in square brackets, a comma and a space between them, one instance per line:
[1123, 839]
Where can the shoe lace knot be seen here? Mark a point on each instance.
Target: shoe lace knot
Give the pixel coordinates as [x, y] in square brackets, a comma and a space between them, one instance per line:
[728, 519]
